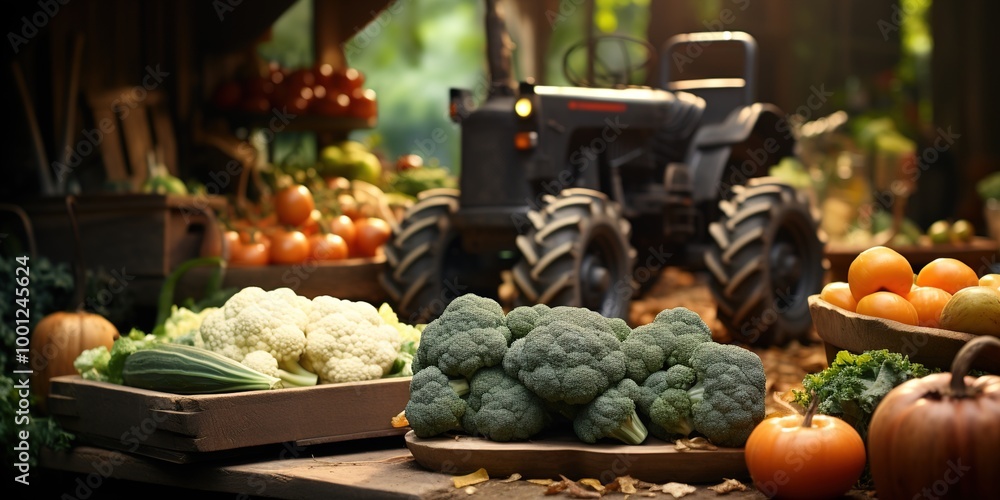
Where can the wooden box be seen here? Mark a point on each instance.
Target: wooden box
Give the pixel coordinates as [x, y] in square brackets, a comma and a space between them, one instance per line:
[145, 235]
[182, 429]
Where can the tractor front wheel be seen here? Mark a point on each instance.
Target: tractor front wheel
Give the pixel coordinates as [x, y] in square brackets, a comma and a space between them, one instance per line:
[576, 252]
[419, 276]
[766, 260]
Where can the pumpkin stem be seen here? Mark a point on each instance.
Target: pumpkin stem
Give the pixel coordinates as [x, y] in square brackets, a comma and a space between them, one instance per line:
[81, 275]
[807, 422]
[963, 363]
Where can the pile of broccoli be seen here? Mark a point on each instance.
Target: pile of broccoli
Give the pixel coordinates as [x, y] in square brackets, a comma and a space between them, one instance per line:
[510, 377]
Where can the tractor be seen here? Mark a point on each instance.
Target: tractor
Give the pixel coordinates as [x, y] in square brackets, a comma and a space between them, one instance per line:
[584, 195]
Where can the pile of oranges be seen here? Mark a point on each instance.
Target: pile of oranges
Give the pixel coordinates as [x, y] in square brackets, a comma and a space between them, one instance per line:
[881, 283]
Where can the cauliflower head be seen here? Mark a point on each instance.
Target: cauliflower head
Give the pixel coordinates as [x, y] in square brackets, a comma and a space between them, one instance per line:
[257, 320]
[348, 341]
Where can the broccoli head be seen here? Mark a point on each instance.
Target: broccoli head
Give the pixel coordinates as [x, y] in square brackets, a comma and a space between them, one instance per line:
[501, 408]
[571, 356]
[470, 334]
[664, 400]
[667, 341]
[612, 415]
[522, 319]
[435, 404]
[727, 401]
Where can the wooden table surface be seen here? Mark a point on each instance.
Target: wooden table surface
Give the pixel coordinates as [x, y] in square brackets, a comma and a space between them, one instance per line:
[374, 468]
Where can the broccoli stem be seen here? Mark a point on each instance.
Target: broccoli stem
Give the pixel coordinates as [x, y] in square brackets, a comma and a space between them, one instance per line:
[294, 374]
[631, 431]
[460, 386]
[684, 427]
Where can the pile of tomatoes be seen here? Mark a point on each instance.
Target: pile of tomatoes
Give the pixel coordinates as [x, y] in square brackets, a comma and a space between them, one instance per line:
[881, 283]
[321, 90]
[297, 232]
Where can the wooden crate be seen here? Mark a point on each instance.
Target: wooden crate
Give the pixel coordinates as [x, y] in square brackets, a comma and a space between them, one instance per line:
[147, 235]
[184, 429]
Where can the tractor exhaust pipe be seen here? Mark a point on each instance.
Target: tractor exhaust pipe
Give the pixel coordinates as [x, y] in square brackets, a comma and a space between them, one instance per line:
[499, 50]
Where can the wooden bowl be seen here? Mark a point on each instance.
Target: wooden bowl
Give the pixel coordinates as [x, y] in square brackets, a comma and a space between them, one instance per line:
[841, 330]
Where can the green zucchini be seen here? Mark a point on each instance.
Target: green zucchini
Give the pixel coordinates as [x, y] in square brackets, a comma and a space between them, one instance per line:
[182, 369]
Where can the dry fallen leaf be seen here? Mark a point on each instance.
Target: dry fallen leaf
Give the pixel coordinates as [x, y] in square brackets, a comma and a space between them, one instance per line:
[480, 476]
[513, 477]
[593, 483]
[541, 482]
[698, 443]
[556, 487]
[400, 420]
[727, 486]
[576, 491]
[470, 490]
[627, 484]
[677, 490]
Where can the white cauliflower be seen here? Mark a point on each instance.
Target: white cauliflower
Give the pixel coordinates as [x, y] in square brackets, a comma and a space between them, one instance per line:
[349, 341]
[257, 320]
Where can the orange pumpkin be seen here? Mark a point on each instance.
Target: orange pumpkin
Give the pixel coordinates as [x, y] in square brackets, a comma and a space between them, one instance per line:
[937, 436]
[804, 456]
[57, 341]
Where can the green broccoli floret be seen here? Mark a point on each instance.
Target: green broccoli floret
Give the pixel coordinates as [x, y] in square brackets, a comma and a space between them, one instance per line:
[92, 364]
[571, 356]
[853, 385]
[612, 415]
[727, 402]
[435, 404]
[667, 341]
[522, 319]
[122, 349]
[501, 408]
[470, 334]
[664, 400]
[620, 327]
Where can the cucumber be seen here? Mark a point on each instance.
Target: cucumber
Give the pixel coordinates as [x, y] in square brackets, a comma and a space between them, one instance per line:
[182, 369]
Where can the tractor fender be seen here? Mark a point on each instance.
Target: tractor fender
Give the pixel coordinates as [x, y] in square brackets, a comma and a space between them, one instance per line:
[749, 141]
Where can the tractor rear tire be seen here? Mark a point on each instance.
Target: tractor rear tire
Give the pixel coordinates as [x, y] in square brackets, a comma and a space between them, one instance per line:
[416, 275]
[766, 260]
[576, 252]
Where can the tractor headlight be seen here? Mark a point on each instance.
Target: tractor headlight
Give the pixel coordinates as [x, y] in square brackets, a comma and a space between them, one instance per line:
[523, 107]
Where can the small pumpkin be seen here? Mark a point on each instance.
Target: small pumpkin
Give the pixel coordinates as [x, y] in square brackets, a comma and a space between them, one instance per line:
[804, 456]
[938, 436]
[57, 341]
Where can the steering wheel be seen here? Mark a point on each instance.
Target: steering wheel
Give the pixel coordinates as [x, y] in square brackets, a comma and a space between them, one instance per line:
[605, 75]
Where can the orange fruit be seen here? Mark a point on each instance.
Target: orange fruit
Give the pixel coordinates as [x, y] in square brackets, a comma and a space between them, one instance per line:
[838, 293]
[888, 305]
[879, 268]
[990, 280]
[950, 275]
[929, 302]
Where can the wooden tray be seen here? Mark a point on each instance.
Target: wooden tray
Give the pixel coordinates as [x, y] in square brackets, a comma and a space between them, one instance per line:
[841, 329]
[654, 461]
[183, 429]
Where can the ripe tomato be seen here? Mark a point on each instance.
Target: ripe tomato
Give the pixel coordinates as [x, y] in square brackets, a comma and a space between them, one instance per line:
[333, 104]
[327, 247]
[289, 247]
[344, 227]
[888, 305]
[311, 225]
[879, 268]
[373, 232]
[950, 275]
[838, 293]
[348, 205]
[929, 302]
[249, 254]
[363, 104]
[346, 80]
[294, 204]
[789, 458]
[230, 240]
